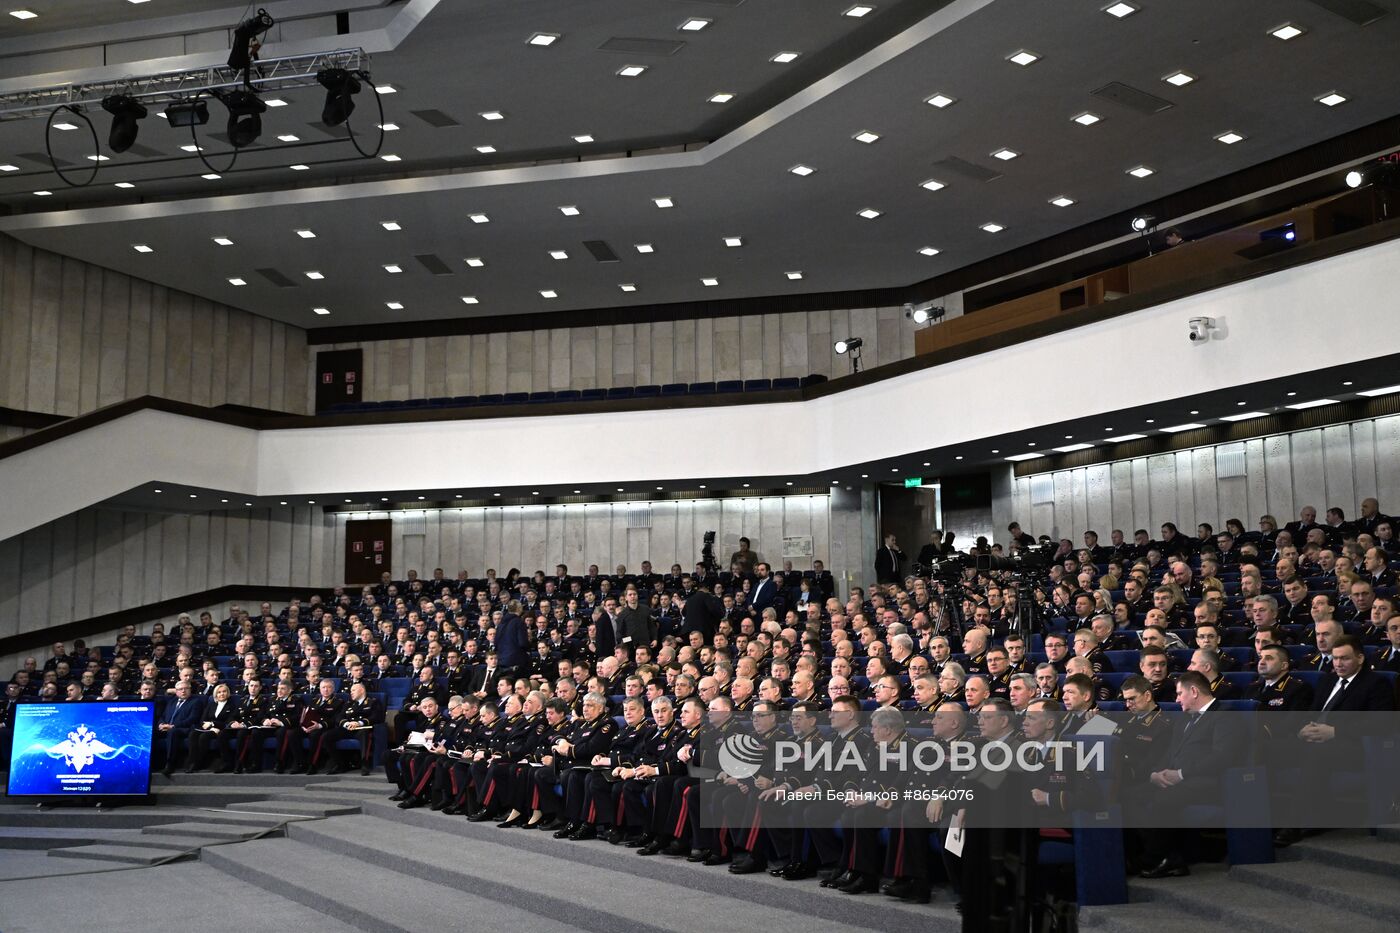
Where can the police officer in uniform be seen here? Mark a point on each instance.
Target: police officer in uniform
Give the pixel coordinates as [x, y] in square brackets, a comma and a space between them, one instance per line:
[1277, 688]
[603, 787]
[283, 714]
[246, 740]
[568, 763]
[319, 720]
[403, 766]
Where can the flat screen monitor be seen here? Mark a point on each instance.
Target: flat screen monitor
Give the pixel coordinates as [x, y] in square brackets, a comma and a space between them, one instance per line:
[96, 749]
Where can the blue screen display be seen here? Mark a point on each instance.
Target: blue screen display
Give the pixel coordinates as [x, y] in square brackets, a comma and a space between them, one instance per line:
[100, 748]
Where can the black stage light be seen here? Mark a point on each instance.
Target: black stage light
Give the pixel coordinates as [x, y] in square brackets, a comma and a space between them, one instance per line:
[845, 346]
[125, 111]
[187, 113]
[244, 50]
[341, 86]
[245, 110]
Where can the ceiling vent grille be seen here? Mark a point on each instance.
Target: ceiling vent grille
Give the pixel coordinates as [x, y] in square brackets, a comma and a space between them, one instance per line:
[601, 251]
[435, 118]
[954, 165]
[1360, 12]
[1124, 96]
[662, 47]
[276, 278]
[433, 264]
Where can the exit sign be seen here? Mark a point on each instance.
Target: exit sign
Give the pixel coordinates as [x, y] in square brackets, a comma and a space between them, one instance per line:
[911, 481]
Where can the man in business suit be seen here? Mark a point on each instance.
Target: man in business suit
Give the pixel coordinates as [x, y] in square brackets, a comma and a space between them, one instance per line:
[1307, 521]
[512, 642]
[181, 714]
[1206, 742]
[765, 592]
[887, 561]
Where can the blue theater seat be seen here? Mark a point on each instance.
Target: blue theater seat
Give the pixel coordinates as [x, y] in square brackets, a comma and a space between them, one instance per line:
[567, 395]
[536, 397]
[647, 391]
[593, 395]
[462, 401]
[621, 392]
[673, 388]
[441, 401]
[492, 399]
[729, 385]
[788, 382]
[757, 385]
[702, 388]
[516, 398]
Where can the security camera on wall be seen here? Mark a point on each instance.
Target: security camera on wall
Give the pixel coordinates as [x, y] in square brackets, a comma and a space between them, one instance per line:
[1200, 329]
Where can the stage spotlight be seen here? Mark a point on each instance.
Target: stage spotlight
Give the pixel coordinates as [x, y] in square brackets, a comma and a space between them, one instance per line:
[245, 110]
[1354, 179]
[920, 315]
[125, 111]
[845, 346]
[245, 41]
[341, 86]
[187, 113]
[1143, 223]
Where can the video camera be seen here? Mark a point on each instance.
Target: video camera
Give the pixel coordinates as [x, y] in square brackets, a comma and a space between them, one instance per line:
[1027, 559]
[707, 553]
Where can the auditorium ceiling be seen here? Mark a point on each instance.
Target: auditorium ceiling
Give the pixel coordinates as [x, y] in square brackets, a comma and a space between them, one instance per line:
[930, 145]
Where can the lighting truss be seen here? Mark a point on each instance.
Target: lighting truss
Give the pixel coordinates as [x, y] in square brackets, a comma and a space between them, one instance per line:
[270, 74]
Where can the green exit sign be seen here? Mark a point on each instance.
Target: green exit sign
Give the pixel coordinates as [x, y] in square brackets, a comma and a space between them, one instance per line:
[911, 481]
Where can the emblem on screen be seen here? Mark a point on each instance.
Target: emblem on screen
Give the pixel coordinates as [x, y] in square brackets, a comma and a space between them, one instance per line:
[81, 749]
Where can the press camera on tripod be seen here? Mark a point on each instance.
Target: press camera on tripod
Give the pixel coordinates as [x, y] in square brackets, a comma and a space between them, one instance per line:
[1022, 572]
[707, 554]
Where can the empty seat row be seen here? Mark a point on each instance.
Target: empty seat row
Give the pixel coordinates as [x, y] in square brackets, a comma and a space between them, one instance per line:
[669, 390]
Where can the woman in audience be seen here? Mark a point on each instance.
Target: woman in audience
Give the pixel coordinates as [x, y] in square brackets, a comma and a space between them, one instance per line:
[217, 715]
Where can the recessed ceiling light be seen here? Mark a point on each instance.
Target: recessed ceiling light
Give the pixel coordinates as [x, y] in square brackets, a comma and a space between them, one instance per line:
[932, 184]
[1071, 448]
[859, 10]
[390, 158]
[1315, 403]
[222, 241]
[1195, 411]
[548, 293]
[1229, 138]
[536, 492]
[124, 184]
[1151, 420]
[928, 251]
[992, 227]
[306, 234]
[865, 136]
[694, 24]
[645, 248]
[469, 300]
[211, 176]
[709, 282]
[237, 281]
[1120, 10]
[289, 138]
[390, 225]
[42, 194]
[720, 97]
[1017, 458]
[1244, 416]
[1127, 437]
[1179, 78]
[583, 138]
[274, 102]
[940, 101]
[496, 495]
[475, 262]
[1372, 393]
[315, 276]
[733, 241]
[958, 457]
[1178, 428]
[558, 254]
[99, 158]
[569, 210]
[1287, 31]
[321, 310]
[631, 71]
[802, 170]
[1062, 201]
[394, 305]
[869, 213]
[746, 485]
[9, 168]
[663, 202]
[628, 287]
[389, 127]
[479, 219]
[188, 147]
[1242, 404]
[386, 89]
[619, 489]
[1141, 171]
[1023, 58]
[420, 499]
[1006, 155]
[393, 268]
[1086, 118]
[485, 150]
[23, 14]
[793, 276]
[543, 39]
[142, 248]
[1331, 99]
[299, 167]
[68, 127]
[491, 115]
[782, 58]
